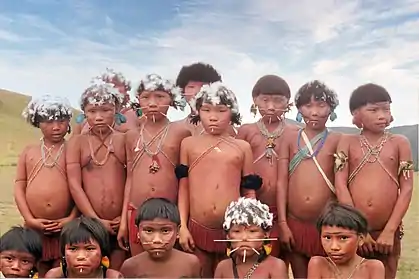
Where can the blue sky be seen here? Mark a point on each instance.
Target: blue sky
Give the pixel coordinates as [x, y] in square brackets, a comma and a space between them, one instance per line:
[57, 46]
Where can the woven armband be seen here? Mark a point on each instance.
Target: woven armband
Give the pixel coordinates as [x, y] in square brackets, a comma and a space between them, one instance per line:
[251, 182]
[181, 171]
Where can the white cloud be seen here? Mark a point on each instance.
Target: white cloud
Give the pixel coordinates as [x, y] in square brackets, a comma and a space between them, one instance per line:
[344, 43]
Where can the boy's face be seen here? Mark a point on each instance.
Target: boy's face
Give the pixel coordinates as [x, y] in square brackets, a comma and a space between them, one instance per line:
[375, 117]
[100, 117]
[242, 232]
[155, 104]
[157, 236]
[191, 89]
[315, 113]
[83, 258]
[271, 106]
[54, 130]
[215, 119]
[15, 264]
[340, 244]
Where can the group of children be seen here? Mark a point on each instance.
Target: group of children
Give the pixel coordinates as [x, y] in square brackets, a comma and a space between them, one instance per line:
[239, 204]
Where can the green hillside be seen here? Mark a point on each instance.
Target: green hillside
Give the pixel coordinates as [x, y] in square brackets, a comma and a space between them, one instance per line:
[15, 133]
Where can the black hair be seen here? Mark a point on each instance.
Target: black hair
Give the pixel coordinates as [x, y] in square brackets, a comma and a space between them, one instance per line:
[319, 91]
[22, 239]
[83, 230]
[343, 216]
[271, 84]
[200, 72]
[369, 93]
[154, 208]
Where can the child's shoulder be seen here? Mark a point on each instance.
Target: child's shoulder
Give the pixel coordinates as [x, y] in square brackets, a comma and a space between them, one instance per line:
[275, 262]
[186, 257]
[225, 264]
[54, 273]
[246, 127]
[112, 273]
[372, 264]
[317, 261]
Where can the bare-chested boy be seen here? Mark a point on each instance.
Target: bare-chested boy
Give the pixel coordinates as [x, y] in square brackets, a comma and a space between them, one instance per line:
[215, 169]
[41, 191]
[377, 169]
[158, 221]
[306, 175]
[271, 95]
[126, 117]
[153, 151]
[190, 79]
[343, 229]
[96, 163]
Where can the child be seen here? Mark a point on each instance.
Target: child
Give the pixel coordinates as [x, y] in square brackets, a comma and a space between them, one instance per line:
[190, 79]
[306, 175]
[96, 163]
[85, 248]
[41, 190]
[247, 223]
[158, 221]
[342, 229]
[271, 96]
[152, 153]
[215, 169]
[118, 81]
[20, 251]
[375, 174]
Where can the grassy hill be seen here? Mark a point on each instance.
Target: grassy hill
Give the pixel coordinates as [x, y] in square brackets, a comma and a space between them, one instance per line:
[15, 133]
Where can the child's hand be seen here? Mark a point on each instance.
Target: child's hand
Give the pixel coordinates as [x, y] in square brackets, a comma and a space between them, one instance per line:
[285, 236]
[385, 242]
[115, 223]
[40, 224]
[59, 224]
[368, 246]
[123, 237]
[186, 240]
[108, 225]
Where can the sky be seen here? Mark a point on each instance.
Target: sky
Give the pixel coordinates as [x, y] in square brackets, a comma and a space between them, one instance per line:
[56, 46]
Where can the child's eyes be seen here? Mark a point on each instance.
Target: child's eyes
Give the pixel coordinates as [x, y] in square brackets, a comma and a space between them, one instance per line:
[343, 237]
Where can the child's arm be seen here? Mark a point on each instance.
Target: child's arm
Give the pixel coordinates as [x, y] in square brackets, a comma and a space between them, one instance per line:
[342, 171]
[75, 177]
[282, 194]
[386, 239]
[20, 187]
[315, 267]
[279, 271]
[185, 238]
[123, 227]
[250, 182]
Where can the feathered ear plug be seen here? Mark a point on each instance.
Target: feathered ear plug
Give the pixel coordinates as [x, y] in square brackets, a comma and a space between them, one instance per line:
[105, 262]
[80, 118]
[299, 117]
[333, 116]
[254, 109]
[120, 118]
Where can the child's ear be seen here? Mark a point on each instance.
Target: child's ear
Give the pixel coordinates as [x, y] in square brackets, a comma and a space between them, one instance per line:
[361, 238]
[177, 232]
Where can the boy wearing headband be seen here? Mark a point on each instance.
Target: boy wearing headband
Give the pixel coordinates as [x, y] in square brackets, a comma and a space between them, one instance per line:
[247, 223]
[96, 162]
[152, 151]
[215, 169]
[306, 175]
[41, 190]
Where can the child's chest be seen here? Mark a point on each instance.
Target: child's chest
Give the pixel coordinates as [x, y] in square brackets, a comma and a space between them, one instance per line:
[219, 152]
